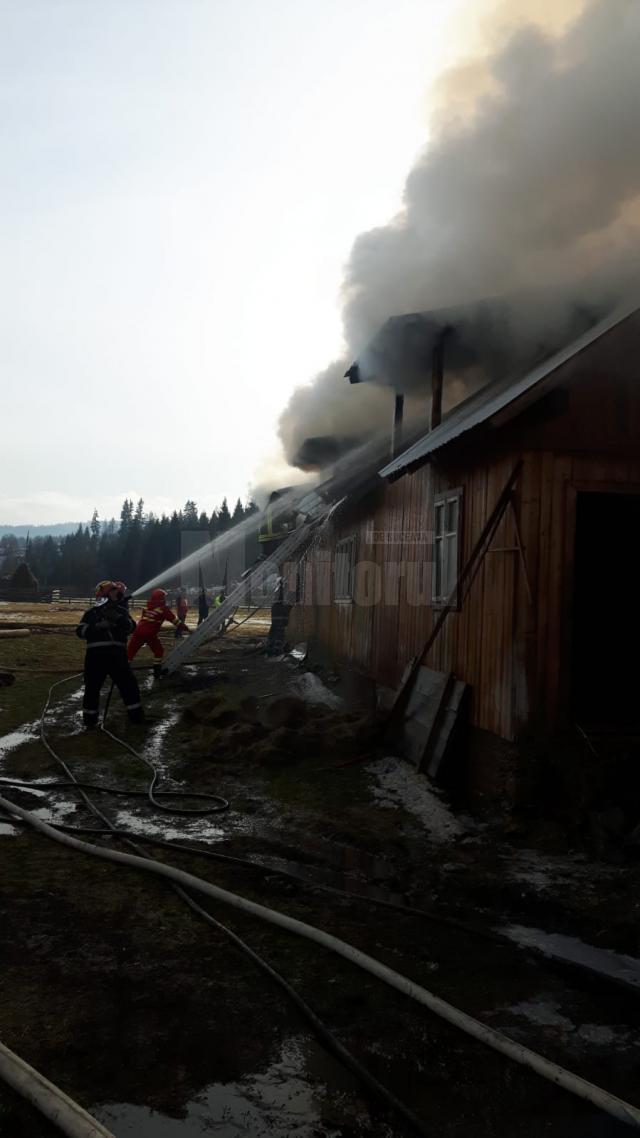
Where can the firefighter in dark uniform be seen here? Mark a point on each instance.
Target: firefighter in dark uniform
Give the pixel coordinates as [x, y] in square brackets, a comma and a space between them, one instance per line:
[105, 629]
[280, 610]
[277, 522]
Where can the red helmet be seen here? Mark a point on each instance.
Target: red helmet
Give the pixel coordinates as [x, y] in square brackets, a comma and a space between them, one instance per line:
[104, 588]
[158, 597]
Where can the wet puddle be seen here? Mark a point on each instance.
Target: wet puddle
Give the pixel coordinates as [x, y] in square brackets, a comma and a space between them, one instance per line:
[279, 1101]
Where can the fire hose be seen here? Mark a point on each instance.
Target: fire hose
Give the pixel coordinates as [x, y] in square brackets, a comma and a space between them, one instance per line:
[53, 1103]
[329, 1040]
[619, 1109]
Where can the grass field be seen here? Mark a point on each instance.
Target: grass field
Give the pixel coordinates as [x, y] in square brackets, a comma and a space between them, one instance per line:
[68, 613]
[53, 651]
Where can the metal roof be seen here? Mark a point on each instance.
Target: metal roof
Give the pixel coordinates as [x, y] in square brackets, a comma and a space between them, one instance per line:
[495, 397]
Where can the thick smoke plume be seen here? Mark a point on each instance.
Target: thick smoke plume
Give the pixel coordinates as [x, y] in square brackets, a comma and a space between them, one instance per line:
[529, 188]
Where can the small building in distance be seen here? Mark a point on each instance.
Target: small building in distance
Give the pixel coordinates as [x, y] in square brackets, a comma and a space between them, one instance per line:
[21, 585]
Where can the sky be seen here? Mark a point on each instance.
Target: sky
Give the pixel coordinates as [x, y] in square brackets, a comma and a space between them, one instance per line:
[182, 183]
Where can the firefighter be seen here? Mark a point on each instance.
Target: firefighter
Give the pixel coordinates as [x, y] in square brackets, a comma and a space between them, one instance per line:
[280, 610]
[105, 629]
[149, 625]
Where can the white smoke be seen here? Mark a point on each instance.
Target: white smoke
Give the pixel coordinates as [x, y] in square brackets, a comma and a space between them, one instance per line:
[331, 406]
[530, 186]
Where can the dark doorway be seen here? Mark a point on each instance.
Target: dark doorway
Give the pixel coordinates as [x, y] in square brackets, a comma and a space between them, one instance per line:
[606, 634]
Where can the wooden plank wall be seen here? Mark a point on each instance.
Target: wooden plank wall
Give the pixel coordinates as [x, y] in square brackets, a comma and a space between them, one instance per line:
[515, 654]
[390, 622]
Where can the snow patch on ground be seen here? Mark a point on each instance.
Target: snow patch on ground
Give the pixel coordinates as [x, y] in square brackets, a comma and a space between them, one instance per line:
[401, 786]
[62, 807]
[161, 825]
[548, 872]
[8, 743]
[601, 1035]
[157, 738]
[311, 688]
[194, 829]
[569, 948]
[546, 1013]
[15, 739]
[54, 813]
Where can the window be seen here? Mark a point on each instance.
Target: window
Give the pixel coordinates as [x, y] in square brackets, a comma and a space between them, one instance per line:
[345, 569]
[446, 546]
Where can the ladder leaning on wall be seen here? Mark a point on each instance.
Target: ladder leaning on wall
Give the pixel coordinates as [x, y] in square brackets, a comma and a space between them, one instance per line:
[215, 621]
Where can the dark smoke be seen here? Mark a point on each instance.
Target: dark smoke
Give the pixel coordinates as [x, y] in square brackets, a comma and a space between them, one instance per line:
[533, 198]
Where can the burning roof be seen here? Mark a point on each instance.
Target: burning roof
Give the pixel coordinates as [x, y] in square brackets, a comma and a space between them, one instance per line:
[477, 339]
[507, 393]
[320, 451]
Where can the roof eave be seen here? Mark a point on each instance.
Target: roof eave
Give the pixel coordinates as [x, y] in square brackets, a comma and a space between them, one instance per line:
[523, 395]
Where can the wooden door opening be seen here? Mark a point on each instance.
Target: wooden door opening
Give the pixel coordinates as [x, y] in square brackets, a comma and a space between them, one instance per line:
[606, 612]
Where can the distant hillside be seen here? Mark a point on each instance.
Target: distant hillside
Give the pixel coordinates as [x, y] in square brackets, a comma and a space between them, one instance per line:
[57, 530]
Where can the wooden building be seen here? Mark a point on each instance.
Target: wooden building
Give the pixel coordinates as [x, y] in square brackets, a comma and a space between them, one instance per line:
[543, 622]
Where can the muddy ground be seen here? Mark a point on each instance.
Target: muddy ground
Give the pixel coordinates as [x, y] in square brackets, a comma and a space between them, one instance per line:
[160, 1026]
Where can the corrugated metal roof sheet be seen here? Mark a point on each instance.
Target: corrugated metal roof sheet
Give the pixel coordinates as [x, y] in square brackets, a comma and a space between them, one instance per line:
[497, 396]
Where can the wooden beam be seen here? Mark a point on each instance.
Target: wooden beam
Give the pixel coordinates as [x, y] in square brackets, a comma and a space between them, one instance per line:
[460, 590]
[398, 415]
[437, 377]
[520, 548]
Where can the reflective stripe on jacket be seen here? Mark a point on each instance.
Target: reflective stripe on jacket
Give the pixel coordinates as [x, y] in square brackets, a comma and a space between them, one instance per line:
[106, 625]
[153, 618]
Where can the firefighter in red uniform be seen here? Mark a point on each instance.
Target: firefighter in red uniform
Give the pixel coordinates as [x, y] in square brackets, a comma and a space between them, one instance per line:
[149, 625]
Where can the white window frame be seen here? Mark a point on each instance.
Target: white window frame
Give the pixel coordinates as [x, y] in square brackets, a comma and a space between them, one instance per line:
[447, 541]
[345, 570]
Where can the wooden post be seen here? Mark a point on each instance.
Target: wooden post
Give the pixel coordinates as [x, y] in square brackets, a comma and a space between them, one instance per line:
[437, 374]
[396, 433]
